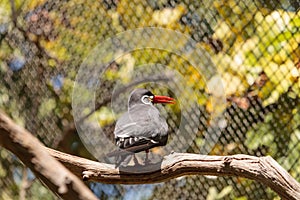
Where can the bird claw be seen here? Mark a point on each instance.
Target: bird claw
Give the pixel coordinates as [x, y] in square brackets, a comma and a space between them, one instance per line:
[147, 162]
[136, 162]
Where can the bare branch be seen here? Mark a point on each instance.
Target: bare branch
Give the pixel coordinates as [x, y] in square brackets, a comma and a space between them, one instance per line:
[33, 154]
[263, 169]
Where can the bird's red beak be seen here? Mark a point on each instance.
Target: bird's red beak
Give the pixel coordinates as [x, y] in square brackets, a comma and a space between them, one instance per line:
[163, 99]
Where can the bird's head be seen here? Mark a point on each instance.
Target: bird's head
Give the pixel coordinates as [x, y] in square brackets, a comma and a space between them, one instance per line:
[143, 96]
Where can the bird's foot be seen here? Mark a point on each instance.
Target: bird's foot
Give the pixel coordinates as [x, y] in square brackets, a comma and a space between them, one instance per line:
[147, 161]
[136, 162]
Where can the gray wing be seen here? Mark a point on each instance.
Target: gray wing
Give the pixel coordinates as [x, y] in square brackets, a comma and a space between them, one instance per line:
[143, 121]
[139, 129]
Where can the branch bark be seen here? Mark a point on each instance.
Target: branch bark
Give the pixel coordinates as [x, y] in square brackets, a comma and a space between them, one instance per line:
[263, 169]
[34, 155]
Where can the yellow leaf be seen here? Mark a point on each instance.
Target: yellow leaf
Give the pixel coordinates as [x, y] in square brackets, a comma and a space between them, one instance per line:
[168, 16]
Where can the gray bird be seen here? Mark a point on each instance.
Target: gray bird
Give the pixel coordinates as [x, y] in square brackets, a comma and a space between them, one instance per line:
[141, 127]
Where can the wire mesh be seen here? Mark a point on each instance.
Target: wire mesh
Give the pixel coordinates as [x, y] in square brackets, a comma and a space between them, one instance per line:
[254, 48]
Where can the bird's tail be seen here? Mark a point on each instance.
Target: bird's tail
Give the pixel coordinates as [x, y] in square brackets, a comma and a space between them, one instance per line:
[119, 152]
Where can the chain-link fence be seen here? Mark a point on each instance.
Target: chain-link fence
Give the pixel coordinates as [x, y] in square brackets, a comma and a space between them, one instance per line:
[233, 67]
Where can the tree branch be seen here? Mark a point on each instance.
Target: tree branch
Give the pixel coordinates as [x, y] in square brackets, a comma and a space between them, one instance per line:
[34, 155]
[263, 169]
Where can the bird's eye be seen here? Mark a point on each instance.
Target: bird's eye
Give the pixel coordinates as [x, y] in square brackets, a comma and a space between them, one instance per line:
[146, 99]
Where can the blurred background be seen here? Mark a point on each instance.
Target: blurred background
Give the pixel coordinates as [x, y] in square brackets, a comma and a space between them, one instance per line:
[254, 46]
